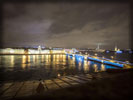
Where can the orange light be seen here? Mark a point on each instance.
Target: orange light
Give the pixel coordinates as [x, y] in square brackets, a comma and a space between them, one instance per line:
[58, 75]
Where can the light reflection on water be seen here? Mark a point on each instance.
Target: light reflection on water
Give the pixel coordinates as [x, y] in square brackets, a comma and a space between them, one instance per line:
[31, 67]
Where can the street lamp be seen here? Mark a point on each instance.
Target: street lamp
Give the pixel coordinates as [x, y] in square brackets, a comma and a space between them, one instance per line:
[127, 61]
[86, 53]
[95, 54]
[112, 57]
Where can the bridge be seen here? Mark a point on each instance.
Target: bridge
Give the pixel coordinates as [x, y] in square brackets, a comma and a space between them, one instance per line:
[104, 60]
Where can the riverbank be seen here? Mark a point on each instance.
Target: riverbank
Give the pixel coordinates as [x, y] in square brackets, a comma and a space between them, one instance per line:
[117, 87]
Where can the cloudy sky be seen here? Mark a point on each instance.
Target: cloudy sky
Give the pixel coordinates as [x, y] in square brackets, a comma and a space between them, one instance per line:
[66, 24]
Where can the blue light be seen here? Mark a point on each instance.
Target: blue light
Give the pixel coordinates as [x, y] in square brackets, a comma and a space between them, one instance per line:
[95, 59]
[80, 59]
[115, 64]
[130, 52]
[106, 62]
[108, 66]
[71, 57]
[107, 51]
[118, 51]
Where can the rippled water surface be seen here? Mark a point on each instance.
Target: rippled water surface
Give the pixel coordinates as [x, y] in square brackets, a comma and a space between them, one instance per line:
[35, 67]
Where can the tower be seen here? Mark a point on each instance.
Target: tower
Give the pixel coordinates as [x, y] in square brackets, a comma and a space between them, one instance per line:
[39, 49]
[98, 46]
[116, 48]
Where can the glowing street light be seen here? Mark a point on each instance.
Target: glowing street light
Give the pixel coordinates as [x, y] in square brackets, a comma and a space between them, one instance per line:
[86, 53]
[112, 57]
[58, 75]
[127, 61]
[95, 54]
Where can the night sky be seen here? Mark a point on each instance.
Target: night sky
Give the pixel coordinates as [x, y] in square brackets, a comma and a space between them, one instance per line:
[79, 25]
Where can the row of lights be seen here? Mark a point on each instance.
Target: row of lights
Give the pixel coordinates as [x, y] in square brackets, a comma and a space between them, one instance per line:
[112, 57]
[103, 56]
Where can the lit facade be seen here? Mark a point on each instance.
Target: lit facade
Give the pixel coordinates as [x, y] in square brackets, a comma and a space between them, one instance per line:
[30, 51]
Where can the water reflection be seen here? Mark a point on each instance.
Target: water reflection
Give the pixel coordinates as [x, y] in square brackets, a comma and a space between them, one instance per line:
[26, 61]
[86, 66]
[102, 67]
[23, 61]
[48, 66]
[12, 61]
[95, 68]
[58, 75]
[28, 58]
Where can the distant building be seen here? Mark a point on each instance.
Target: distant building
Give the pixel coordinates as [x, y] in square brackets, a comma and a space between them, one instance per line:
[98, 46]
[31, 51]
[98, 49]
[39, 49]
[116, 49]
[12, 51]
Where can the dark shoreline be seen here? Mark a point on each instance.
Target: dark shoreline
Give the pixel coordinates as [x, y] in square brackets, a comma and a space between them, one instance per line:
[119, 87]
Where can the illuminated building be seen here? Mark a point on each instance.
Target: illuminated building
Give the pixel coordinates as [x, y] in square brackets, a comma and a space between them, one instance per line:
[31, 51]
[12, 51]
[117, 50]
[39, 49]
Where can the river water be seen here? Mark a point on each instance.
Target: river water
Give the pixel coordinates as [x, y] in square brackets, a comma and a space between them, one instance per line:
[35, 67]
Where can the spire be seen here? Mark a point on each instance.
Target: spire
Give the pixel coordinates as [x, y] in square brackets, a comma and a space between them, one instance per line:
[39, 49]
[98, 46]
[116, 48]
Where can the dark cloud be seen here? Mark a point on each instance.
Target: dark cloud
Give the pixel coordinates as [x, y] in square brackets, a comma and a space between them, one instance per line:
[66, 24]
